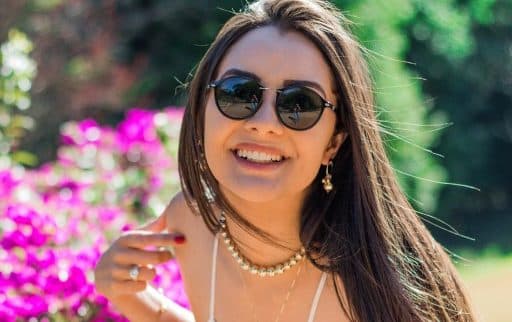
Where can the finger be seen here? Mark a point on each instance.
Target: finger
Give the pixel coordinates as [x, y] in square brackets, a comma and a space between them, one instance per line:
[128, 256]
[122, 273]
[156, 225]
[142, 239]
[128, 287]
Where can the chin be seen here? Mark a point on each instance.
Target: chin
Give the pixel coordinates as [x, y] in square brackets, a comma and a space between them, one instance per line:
[261, 192]
[254, 194]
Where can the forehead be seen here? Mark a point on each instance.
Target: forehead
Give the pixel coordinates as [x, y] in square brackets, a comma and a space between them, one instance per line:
[274, 56]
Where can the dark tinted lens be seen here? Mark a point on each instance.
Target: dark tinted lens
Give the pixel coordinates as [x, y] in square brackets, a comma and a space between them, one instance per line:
[299, 107]
[238, 97]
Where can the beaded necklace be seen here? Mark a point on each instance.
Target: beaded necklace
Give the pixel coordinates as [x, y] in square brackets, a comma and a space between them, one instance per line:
[247, 265]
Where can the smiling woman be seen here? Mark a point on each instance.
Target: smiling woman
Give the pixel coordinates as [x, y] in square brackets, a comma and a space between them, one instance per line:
[281, 160]
[268, 57]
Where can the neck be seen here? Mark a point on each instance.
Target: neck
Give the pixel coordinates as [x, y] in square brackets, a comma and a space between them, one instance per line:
[281, 219]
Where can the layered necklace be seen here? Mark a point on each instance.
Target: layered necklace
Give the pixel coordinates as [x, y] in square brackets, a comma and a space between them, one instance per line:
[247, 265]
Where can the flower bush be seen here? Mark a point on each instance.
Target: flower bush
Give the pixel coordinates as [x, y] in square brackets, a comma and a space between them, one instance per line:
[17, 71]
[56, 220]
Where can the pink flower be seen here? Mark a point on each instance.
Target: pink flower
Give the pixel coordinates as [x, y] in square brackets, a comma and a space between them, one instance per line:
[27, 306]
[86, 131]
[136, 129]
[8, 182]
[104, 181]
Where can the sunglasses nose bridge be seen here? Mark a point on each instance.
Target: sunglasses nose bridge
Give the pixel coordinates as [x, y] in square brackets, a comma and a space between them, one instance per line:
[265, 119]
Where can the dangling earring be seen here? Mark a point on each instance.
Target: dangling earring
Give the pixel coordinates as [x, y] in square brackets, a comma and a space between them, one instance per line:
[326, 181]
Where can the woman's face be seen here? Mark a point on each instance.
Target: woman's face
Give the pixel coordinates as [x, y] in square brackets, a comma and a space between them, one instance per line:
[277, 59]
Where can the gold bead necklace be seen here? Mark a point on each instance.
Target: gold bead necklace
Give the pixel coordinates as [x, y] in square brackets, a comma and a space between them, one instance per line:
[247, 265]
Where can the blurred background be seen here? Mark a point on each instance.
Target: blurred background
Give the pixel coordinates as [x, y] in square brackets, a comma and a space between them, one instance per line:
[443, 83]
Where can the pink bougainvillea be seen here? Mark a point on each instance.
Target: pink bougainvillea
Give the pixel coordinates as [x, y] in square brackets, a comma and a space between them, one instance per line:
[57, 220]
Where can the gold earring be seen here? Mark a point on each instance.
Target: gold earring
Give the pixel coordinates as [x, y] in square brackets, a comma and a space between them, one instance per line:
[326, 181]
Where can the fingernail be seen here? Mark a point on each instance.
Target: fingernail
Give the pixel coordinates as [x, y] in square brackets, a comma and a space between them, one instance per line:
[169, 250]
[179, 239]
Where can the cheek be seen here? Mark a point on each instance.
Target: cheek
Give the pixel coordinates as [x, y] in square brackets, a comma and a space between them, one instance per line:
[313, 144]
[309, 160]
[310, 163]
[216, 133]
[214, 122]
[210, 115]
[312, 148]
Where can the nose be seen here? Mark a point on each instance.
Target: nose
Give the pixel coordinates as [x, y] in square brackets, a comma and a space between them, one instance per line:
[265, 120]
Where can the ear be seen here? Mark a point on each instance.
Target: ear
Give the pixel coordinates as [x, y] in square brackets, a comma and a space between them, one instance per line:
[333, 147]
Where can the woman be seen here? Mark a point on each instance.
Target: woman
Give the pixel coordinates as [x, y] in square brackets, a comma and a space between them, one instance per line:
[281, 160]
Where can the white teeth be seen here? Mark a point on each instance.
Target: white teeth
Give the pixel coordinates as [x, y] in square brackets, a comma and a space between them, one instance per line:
[258, 156]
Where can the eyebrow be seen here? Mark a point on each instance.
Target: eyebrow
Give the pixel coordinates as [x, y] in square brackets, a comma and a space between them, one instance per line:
[286, 82]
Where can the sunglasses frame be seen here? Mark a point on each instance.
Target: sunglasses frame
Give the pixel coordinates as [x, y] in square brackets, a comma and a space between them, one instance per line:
[325, 103]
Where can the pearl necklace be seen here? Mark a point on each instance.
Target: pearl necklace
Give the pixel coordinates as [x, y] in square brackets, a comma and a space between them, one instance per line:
[246, 265]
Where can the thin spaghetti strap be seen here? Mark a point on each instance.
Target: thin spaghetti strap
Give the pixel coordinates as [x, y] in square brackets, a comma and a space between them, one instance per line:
[317, 297]
[211, 314]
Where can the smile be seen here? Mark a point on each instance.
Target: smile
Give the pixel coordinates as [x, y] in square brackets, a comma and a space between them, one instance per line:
[260, 157]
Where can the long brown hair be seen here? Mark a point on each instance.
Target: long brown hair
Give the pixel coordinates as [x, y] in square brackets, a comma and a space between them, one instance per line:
[391, 267]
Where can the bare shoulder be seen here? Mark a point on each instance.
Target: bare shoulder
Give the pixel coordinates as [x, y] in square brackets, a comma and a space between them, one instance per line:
[194, 255]
[178, 214]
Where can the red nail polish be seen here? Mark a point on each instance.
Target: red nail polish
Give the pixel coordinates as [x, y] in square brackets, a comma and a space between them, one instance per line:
[179, 239]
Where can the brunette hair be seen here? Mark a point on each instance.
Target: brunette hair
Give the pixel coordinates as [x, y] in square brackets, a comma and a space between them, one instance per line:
[365, 230]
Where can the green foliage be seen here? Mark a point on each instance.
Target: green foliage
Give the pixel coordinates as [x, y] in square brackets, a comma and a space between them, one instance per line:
[449, 27]
[474, 91]
[45, 4]
[459, 76]
[407, 124]
[17, 71]
[482, 12]
[172, 38]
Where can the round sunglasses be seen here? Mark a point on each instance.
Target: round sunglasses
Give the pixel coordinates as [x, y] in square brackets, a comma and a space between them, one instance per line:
[297, 107]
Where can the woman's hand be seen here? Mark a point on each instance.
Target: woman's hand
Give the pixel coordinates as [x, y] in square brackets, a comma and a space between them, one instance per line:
[112, 273]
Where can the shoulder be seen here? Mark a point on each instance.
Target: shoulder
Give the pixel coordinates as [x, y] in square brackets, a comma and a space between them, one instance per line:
[180, 217]
[195, 254]
[178, 214]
